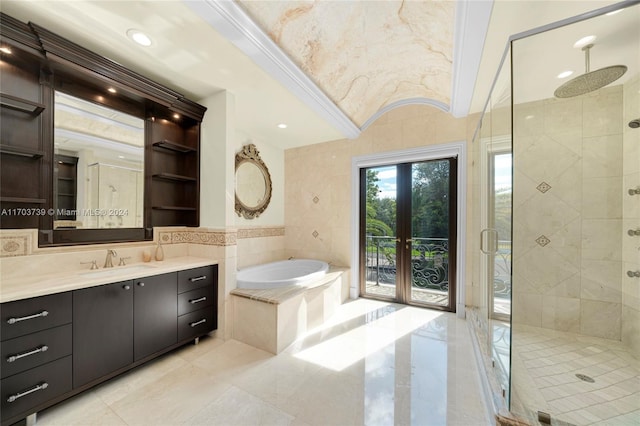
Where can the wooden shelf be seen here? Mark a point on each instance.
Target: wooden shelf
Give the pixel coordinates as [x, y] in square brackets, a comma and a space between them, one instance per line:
[174, 178]
[173, 146]
[175, 208]
[20, 104]
[22, 200]
[20, 152]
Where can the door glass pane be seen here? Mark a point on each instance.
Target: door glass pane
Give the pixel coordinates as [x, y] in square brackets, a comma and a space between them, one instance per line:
[502, 224]
[380, 231]
[430, 232]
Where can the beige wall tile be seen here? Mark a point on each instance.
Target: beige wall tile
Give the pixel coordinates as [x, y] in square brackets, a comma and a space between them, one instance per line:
[561, 313]
[600, 319]
[631, 329]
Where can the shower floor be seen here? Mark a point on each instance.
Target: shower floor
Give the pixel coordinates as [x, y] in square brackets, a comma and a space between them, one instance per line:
[544, 366]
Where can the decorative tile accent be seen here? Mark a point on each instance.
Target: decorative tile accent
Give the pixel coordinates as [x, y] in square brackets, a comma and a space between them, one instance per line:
[543, 187]
[316, 200]
[14, 245]
[315, 234]
[260, 232]
[165, 237]
[206, 238]
[542, 240]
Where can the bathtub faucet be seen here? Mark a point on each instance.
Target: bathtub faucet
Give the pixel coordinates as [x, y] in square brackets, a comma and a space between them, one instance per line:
[291, 258]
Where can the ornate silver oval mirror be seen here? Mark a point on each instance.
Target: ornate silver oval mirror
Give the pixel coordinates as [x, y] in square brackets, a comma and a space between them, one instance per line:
[253, 183]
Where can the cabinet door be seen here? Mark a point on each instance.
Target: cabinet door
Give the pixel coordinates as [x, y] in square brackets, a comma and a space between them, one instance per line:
[102, 330]
[156, 312]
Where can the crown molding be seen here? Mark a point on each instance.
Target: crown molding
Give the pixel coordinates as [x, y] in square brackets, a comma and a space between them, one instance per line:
[471, 26]
[233, 23]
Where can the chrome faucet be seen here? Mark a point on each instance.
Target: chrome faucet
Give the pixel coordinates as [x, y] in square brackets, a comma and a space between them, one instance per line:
[108, 262]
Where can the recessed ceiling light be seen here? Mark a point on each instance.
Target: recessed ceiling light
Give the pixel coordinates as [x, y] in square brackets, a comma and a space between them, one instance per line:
[584, 41]
[121, 156]
[529, 117]
[111, 90]
[614, 12]
[564, 74]
[100, 98]
[5, 49]
[282, 126]
[139, 37]
[176, 116]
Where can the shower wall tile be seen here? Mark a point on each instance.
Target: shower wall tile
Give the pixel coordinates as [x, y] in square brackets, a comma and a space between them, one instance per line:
[602, 198]
[601, 280]
[561, 313]
[562, 114]
[631, 328]
[575, 146]
[528, 119]
[602, 156]
[545, 159]
[527, 309]
[601, 239]
[603, 112]
[569, 288]
[630, 287]
[546, 268]
[601, 319]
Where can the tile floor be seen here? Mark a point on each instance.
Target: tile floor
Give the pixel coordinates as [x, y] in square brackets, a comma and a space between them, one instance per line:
[374, 363]
[544, 366]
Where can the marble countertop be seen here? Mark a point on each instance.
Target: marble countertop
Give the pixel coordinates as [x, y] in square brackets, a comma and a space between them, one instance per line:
[32, 285]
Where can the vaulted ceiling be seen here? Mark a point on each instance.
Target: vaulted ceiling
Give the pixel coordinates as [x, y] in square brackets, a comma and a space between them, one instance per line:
[327, 69]
[366, 55]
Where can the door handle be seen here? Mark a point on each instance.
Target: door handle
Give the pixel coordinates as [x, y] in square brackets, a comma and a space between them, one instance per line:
[494, 248]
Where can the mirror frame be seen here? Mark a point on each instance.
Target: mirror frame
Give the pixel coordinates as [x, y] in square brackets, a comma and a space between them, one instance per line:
[250, 154]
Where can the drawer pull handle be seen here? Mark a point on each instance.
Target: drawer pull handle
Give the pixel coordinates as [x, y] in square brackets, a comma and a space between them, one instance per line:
[202, 321]
[194, 301]
[141, 284]
[16, 357]
[15, 320]
[194, 279]
[36, 388]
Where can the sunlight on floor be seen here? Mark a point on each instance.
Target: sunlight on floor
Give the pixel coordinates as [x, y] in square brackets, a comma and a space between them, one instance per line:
[382, 327]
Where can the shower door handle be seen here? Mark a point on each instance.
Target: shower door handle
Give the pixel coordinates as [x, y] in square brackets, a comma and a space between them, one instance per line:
[494, 248]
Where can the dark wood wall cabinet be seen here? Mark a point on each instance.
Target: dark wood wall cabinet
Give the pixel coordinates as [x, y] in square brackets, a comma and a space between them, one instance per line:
[56, 346]
[41, 62]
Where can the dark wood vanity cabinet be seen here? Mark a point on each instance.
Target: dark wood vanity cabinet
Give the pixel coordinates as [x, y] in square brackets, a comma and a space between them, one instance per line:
[117, 324]
[36, 353]
[102, 331]
[155, 311]
[56, 346]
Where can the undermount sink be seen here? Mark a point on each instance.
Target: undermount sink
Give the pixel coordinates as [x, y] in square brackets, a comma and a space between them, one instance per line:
[117, 270]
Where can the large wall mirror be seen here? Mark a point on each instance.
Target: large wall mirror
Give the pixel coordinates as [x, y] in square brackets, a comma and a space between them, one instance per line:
[98, 179]
[253, 183]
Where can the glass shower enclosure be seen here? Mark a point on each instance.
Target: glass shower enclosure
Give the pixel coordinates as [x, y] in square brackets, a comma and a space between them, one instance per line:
[556, 285]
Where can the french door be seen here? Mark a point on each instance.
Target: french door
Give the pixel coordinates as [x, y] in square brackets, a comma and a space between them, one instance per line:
[408, 232]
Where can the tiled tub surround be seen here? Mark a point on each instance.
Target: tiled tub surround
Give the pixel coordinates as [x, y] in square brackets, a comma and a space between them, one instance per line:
[272, 319]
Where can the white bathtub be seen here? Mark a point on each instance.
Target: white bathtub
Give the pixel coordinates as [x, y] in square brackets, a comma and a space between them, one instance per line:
[295, 272]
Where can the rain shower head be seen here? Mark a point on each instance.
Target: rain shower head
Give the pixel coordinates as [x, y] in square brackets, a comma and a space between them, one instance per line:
[590, 80]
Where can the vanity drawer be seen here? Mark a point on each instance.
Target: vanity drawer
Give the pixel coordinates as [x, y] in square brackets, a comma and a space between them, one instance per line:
[39, 313]
[33, 387]
[192, 279]
[32, 350]
[196, 323]
[195, 300]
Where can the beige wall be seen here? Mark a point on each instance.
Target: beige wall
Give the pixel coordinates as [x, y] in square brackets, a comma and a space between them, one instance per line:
[318, 178]
[566, 238]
